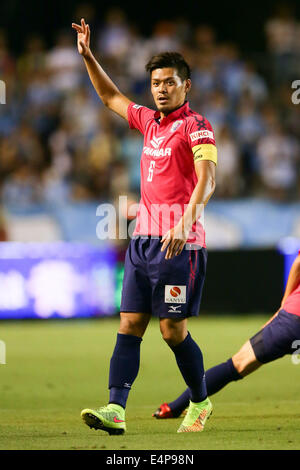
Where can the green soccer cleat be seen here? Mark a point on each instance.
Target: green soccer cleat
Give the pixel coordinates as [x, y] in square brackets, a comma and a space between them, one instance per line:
[196, 416]
[110, 418]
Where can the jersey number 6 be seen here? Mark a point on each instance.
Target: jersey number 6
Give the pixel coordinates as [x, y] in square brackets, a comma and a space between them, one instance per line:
[151, 168]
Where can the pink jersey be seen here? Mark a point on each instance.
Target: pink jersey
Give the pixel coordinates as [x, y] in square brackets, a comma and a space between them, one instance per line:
[292, 303]
[168, 175]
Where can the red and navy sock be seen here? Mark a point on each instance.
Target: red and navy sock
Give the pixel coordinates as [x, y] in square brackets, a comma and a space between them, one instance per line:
[216, 378]
[124, 367]
[190, 362]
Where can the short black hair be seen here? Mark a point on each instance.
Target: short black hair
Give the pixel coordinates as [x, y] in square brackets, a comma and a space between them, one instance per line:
[170, 59]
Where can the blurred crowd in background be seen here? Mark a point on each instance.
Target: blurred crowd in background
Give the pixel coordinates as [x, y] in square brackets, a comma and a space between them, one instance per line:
[59, 143]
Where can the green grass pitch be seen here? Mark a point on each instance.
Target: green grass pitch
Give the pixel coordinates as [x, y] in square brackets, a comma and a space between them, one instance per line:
[56, 368]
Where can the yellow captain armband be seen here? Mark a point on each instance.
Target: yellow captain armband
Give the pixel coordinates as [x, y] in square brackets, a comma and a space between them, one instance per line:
[205, 152]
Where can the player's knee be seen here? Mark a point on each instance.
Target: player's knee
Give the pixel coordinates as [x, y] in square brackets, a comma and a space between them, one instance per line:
[172, 337]
[244, 365]
[168, 338]
[132, 326]
[173, 332]
[239, 364]
[245, 360]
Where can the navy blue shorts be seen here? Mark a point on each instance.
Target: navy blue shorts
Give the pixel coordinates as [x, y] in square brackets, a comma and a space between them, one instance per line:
[276, 339]
[165, 288]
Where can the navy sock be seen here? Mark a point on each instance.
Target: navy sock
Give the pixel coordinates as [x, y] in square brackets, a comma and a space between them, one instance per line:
[190, 362]
[216, 378]
[181, 403]
[124, 367]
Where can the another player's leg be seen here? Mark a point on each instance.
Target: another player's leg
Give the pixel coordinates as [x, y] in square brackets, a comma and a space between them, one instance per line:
[124, 366]
[190, 362]
[243, 363]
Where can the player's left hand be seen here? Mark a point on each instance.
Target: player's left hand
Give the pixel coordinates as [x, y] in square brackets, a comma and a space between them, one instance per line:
[174, 240]
[83, 37]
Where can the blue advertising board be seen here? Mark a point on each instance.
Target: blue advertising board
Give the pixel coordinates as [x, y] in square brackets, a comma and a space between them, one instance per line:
[56, 280]
[289, 247]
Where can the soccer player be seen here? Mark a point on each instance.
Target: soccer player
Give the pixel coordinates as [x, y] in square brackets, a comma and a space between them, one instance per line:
[273, 341]
[166, 258]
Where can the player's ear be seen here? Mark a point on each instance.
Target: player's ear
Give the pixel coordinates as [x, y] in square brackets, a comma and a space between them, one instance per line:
[188, 84]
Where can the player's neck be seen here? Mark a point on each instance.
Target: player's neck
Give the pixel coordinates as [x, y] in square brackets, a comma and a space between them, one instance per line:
[163, 115]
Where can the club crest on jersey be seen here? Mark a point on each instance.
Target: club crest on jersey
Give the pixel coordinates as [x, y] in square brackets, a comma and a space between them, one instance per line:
[175, 125]
[175, 294]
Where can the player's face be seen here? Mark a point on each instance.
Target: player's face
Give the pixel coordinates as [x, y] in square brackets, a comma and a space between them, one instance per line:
[168, 90]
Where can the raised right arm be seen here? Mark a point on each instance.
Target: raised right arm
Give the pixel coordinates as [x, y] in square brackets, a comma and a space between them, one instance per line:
[104, 86]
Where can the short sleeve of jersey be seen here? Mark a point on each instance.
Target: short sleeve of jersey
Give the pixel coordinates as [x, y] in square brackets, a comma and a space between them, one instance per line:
[138, 116]
[201, 138]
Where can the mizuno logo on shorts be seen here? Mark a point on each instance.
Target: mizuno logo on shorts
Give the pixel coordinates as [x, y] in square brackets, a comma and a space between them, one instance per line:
[173, 309]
